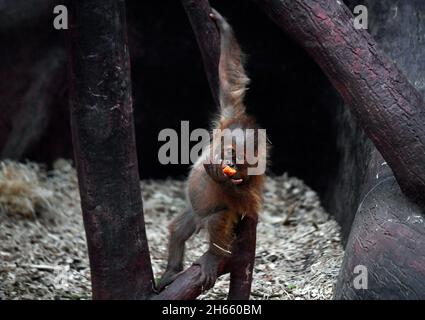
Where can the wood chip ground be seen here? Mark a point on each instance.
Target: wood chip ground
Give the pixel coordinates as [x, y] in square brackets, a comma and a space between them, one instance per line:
[43, 251]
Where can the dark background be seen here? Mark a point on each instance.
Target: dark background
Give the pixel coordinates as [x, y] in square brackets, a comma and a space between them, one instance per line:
[288, 94]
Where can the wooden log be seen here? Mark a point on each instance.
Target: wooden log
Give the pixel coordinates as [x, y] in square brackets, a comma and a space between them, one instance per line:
[187, 285]
[387, 236]
[105, 152]
[240, 265]
[387, 239]
[208, 39]
[390, 110]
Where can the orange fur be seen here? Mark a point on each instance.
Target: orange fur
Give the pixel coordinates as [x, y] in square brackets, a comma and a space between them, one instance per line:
[219, 201]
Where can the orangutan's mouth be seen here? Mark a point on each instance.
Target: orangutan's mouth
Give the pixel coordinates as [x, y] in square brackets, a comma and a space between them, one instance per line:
[236, 181]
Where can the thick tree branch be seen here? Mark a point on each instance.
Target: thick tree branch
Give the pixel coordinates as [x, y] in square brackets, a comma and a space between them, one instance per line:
[389, 108]
[208, 39]
[105, 151]
[187, 286]
[388, 239]
[240, 266]
[387, 236]
[242, 263]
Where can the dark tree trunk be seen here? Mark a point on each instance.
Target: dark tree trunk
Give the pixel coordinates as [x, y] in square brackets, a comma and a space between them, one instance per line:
[388, 239]
[208, 39]
[387, 236]
[389, 108]
[240, 265]
[105, 153]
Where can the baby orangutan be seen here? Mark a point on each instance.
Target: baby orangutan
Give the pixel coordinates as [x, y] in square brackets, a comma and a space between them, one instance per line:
[220, 189]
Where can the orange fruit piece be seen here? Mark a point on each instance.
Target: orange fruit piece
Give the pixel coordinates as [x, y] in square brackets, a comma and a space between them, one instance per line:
[229, 171]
